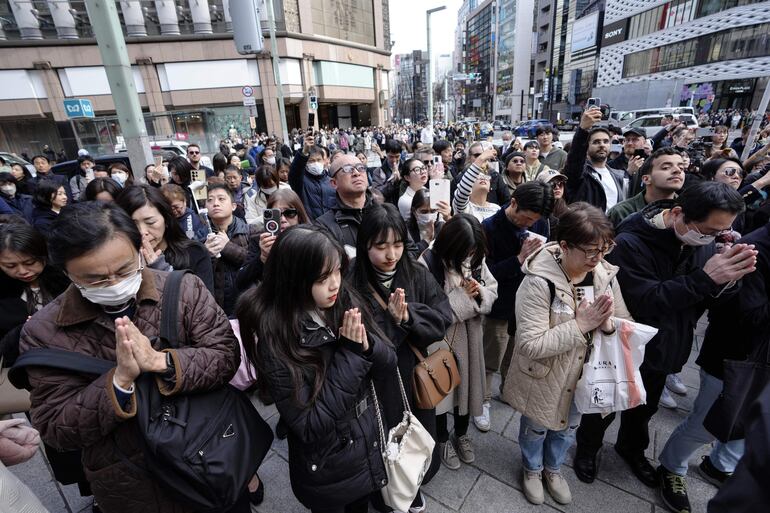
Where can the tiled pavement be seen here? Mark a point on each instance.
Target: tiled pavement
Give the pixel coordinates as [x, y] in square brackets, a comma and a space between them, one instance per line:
[491, 484]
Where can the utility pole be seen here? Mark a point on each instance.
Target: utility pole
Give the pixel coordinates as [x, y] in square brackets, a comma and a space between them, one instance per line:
[276, 69]
[430, 64]
[112, 47]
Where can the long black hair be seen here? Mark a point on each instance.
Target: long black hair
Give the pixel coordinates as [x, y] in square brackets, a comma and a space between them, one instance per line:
[275, 309]
[460, 238]
[98, 185]
[134, 197]
[183, 169]
[377, 224]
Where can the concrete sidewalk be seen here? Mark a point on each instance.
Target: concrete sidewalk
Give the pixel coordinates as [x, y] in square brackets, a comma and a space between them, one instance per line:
[492, 484]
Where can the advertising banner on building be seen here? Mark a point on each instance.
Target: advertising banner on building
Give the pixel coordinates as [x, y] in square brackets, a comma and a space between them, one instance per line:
[584, 32]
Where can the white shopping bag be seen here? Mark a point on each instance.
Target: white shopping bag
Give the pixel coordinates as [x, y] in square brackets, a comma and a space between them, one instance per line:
[611, 380]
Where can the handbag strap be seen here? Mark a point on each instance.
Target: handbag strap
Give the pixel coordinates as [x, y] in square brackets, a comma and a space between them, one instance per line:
[378, 414]
[169, 313]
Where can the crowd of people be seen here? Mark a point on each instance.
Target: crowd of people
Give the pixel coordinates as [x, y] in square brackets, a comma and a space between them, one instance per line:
[331, 265]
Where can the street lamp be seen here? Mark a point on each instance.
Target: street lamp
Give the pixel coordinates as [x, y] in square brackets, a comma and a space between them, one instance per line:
[430, 64]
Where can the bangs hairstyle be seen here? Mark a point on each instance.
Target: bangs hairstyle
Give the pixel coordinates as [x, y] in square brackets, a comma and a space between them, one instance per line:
[583, 224]
[45, 192]
[86, 226]
[275, 309]
[461, 237]
[378, 222]
[290, 198]
[710, 168]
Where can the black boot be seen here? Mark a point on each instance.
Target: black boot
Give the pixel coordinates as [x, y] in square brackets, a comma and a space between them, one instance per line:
[640, 466]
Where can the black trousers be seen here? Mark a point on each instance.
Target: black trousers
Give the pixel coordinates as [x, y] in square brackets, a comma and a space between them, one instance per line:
[634, 435]
[358, 506]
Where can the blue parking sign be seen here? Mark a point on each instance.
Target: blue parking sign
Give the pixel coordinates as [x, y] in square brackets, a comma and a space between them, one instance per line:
[79, 108]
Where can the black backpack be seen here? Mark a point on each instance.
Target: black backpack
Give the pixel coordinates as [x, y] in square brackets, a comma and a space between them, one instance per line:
[203, 448]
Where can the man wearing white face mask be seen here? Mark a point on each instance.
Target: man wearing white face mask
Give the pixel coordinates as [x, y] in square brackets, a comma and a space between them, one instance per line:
[669, 274]
[309, 179]
[111, 311]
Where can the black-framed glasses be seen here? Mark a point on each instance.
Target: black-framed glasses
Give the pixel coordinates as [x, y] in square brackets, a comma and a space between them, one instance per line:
[517, 161]
[290, 213]
[475, 155]
[427, 163]
[596, 252]
[193, 152]
[418, 169]
[349, 170]
[557, 183]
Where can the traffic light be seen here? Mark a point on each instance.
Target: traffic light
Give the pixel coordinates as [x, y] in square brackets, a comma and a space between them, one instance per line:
[247, 28]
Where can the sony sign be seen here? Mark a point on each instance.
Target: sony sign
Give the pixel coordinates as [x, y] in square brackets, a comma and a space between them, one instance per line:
[615, 33]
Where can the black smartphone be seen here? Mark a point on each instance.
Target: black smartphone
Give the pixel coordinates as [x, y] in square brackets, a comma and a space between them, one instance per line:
[640, 153]
[310, 120]
[272, 219]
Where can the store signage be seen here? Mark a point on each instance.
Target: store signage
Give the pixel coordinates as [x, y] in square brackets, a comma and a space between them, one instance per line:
[616, 32]
[740, 88]
[79, 108]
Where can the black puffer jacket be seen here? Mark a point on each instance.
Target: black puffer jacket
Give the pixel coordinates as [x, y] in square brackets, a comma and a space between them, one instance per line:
[334, 453]
[663, 285]
[743, 322]
[583, 183]
[429, 318]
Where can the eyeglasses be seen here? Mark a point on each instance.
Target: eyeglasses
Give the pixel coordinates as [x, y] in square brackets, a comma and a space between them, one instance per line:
[517, 161]
[475, 155]
[557, 184]
[732, 171]
[349, 170]
[709, 235]
[289, 213]
[418, 169]
[193, 152]
[593, 253]
[111, 279]
[427, 162]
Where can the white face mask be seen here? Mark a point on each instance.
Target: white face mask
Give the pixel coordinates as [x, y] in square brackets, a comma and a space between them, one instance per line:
[315, 168]
[424, 219]
[114, 295]
[270, 160]
[9, 189]
[269, 190]
[693, 238]
[120, 177]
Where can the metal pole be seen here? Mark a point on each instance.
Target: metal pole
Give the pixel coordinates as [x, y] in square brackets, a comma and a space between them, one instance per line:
[112, 47]
[430, 64]
[748, 143]
[276, 69]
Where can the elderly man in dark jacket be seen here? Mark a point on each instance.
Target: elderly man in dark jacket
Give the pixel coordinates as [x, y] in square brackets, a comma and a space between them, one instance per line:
[669, 274]
[590, 178]
[744, 323]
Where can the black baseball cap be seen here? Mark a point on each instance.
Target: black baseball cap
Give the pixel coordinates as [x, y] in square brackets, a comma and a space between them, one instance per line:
[641, 132]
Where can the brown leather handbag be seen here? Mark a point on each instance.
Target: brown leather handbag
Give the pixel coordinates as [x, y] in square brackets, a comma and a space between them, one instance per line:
[434, 376]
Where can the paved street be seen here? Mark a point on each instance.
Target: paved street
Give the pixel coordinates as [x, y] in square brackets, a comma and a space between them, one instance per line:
[490, 485]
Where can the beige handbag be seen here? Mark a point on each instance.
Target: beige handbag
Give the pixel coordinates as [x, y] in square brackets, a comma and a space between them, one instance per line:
[406, 453]
[12, 400]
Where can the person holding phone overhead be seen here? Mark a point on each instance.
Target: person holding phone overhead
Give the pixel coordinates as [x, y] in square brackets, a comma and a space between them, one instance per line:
[472, 191]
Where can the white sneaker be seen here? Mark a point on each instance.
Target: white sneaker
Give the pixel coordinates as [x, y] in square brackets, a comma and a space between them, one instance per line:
[666, 400]
[482, 421]
[674, 383]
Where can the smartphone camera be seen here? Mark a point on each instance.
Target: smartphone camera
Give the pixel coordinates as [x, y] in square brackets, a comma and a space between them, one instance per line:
[272, 218]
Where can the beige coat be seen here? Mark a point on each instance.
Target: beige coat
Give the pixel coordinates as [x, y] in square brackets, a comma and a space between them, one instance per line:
[550, 349]
[466, 336]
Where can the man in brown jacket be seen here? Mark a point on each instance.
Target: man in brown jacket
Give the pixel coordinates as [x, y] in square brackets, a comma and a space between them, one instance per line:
[112, 311]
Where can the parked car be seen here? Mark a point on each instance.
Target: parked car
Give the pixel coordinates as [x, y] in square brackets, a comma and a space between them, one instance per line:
[178, 147]
[652, 123]
[528, 128]
[12, 158]
[567, 124]
[70, 167]
[501, 125]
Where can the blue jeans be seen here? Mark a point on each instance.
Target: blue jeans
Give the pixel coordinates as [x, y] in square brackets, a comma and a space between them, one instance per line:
[690, 435]
[542, 447]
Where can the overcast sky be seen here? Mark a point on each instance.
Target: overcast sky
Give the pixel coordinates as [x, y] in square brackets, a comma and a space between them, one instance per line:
[407, 25]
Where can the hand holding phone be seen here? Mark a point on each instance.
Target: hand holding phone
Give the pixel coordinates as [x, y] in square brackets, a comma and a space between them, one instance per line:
[439, 191]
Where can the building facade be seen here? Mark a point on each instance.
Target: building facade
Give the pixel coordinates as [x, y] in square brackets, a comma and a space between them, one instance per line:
[410, 98]
[512, 64]
[712, 54]
[479, 50]
[187, 72]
